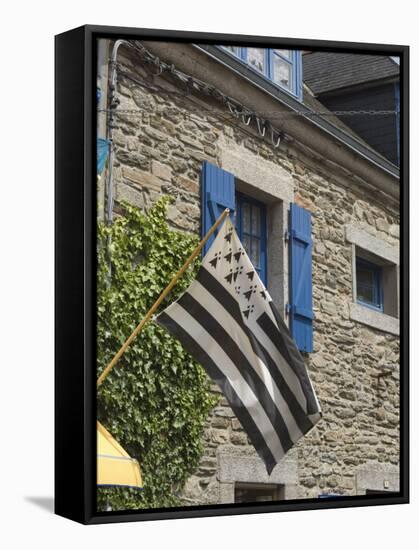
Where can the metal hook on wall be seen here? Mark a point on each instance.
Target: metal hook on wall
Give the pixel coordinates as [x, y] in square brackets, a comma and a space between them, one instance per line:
[249, 118]
[278, 139]
[262, 131]
[232, 109]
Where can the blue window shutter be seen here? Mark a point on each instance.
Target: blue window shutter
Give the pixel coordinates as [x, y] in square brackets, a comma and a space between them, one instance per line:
[217, 194]
[301, 287]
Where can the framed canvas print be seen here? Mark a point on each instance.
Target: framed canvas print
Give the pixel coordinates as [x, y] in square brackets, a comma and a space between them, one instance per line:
[231, 274]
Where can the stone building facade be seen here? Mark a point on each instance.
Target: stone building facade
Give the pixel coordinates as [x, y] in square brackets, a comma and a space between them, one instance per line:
[162, 131]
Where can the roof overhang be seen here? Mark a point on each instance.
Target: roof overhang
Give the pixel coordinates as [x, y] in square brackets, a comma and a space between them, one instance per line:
[349, 141]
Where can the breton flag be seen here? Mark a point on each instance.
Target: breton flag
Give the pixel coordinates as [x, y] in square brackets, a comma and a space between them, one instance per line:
[227, 321]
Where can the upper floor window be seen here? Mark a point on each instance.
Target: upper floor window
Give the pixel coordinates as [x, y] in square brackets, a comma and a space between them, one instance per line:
[282, 67]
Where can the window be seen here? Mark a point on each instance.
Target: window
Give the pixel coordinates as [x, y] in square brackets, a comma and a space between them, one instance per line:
[376, 286]
[375, 280]
[254, 222]
[257, 492]
[282, 67]
[256, 58]
[369, 284]
[233, 49]
[251, 228]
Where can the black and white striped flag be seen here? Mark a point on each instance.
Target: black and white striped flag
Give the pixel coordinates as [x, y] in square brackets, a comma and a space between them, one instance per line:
[228, 322]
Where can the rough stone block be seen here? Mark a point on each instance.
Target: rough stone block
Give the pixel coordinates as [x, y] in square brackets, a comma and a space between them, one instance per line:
[238, 438]
[162, 171]
[395, 230]
[190, 141]
[179, 166]
[143, 179]
[219, 422]
[320, 248]
[155, 134]
[179, 220]
[304, 202]
[219, 436]
[125, 193]
[235, 424]
[132, 158]
[187, 184]
[382, 225]
[196, 155]
[191, 210]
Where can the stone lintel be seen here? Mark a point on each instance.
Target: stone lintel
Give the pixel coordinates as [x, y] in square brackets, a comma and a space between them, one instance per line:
[235, 468]
[374, 245]
[271, 181]
[377, 477]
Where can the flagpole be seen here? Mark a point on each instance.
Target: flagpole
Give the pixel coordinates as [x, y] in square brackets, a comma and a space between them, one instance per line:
[159, 300]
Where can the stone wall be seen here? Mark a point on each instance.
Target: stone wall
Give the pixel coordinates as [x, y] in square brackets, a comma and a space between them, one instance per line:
[160, 140]
[361, 422]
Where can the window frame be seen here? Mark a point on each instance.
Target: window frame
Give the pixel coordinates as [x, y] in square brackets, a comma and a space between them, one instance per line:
[377, 272]
[387, 255]
[294, 61]
[241, 199]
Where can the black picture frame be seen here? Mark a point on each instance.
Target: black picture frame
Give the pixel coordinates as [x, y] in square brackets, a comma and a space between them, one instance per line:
[75, 265]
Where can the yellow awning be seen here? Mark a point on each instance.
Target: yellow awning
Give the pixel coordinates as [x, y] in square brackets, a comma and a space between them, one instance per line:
[114, 465]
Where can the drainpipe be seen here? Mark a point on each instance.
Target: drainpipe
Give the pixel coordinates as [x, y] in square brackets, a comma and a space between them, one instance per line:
[112, 103]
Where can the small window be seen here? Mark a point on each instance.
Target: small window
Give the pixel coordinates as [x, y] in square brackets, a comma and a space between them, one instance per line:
[258, 492]
[251, 228]
[375, 281]
[282, 67]
[233, 49]
[369, 284]
[256, 58]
